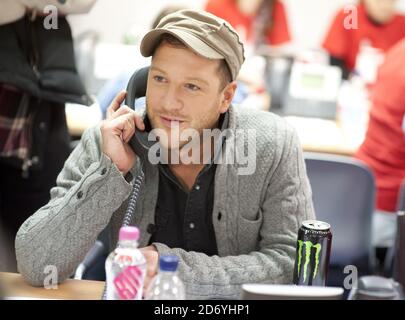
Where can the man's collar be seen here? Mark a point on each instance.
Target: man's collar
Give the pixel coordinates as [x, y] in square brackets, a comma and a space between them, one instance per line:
[219, 143]
[223, 121]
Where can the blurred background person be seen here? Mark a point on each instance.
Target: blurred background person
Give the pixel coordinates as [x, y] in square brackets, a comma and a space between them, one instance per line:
[383, 149]
[37, 76]
[359, 36]
[256, 21]
[260, 23]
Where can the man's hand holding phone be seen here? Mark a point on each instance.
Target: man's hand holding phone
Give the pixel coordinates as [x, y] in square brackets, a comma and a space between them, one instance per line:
[116, 131]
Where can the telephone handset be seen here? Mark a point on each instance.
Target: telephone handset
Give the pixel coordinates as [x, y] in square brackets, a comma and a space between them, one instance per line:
[136, 88]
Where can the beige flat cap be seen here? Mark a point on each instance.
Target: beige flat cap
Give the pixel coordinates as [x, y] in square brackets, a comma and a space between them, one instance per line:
[204, 33]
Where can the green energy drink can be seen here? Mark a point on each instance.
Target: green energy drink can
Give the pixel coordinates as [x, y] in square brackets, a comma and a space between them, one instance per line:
[313, 252]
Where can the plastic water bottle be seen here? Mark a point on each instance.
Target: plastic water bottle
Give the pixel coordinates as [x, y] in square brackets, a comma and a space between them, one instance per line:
[126, 267]
[166, 285]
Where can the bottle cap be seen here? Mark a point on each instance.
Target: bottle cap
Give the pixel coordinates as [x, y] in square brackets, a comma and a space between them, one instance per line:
[168, 263]
[129, 233]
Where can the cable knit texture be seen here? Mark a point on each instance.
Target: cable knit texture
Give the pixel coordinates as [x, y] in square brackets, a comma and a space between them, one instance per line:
[256, 217]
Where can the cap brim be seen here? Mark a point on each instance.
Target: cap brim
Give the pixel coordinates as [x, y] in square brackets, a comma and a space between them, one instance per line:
[150, 40]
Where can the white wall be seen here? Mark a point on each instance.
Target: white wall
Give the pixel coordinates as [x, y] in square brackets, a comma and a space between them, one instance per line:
[113, 17]
[308, 19]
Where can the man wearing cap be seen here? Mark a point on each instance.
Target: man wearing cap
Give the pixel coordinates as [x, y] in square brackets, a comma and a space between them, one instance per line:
[227, 228]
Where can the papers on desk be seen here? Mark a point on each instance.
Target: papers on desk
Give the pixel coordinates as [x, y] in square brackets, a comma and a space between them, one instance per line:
[322, 135]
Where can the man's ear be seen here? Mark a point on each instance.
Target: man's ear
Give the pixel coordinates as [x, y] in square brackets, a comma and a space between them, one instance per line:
[227, 96]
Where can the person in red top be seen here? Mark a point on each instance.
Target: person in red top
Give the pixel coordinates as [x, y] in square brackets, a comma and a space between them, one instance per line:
[257, 22]
[384, 146]
[378, 24]
[251, 19]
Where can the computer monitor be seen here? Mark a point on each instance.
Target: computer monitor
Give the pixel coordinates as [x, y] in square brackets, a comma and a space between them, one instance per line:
[290, 292]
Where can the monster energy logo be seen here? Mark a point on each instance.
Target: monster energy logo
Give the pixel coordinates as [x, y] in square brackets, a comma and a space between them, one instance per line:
[308, 246]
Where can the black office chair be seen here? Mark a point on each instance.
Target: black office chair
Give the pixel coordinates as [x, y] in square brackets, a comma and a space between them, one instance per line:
[390, 287]
[92, 267]
[389, 262]
[343, 195]
[399, 253]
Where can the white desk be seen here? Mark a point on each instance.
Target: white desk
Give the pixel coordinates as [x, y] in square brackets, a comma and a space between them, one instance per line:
[319, 135]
